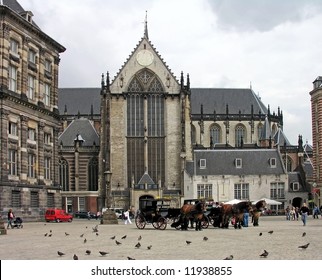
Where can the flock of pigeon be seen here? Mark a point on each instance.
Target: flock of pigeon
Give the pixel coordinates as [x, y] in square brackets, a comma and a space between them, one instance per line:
[101, 253]
[138, 245]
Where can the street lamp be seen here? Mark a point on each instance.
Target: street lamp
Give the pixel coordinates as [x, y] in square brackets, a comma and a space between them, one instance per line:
[109, 216]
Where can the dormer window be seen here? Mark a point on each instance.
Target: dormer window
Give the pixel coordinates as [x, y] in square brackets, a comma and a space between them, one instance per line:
[202, 163]
[295, 186]
[272, 162]
[238, 163]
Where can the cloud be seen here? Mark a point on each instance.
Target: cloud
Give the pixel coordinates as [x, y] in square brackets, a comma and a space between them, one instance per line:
[262, 15]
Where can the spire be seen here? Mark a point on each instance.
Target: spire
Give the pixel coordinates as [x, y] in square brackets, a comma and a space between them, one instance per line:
[146, 35]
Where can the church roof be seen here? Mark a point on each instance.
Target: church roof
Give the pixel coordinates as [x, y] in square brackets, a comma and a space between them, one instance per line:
[79, 129]
[80, 100]
[237, 99]
[280, 139]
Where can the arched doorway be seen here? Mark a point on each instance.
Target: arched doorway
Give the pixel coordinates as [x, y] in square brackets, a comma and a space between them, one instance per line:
[297, 202]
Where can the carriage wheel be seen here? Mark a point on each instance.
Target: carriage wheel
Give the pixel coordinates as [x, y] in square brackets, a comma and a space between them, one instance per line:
[204, 222]
[140, 221]
[162, 223]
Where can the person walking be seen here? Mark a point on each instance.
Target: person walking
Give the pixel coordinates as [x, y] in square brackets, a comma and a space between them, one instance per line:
[127, 217]
[304, 213]
[10, 218]
[245, 217]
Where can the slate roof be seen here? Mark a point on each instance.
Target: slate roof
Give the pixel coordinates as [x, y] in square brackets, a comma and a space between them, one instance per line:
[79, 100]
[82, 129]
[222, 162]
[280, 138]
[238, 99]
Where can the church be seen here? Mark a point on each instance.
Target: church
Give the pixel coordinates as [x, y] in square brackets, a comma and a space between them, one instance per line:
[145, 133]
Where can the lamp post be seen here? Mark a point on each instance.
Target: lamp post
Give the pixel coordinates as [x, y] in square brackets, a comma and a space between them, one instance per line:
[109, 217]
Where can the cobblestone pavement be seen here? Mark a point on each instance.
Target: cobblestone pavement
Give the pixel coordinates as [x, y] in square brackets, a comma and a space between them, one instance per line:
[30, 242]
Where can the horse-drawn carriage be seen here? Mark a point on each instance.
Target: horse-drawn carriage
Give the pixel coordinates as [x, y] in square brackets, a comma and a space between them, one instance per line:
[152, 211]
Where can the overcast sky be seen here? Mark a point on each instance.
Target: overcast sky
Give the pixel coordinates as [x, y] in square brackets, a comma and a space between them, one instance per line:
[274, 46]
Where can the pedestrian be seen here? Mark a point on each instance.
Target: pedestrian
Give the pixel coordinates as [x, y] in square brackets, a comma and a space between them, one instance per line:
[127, 217]
[245, 217]
[10, 218]
[316, 212]
[304, 213]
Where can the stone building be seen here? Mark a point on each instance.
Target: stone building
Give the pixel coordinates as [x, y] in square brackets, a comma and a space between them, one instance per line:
[29, 116]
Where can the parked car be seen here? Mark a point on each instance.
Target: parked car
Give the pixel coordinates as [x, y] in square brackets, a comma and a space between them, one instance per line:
[57, 215]
[85, 215]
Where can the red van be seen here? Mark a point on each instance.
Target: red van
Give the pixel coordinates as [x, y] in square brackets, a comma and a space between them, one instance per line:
[57, 215]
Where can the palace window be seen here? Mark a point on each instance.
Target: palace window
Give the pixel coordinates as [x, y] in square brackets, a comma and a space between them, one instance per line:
[31, 87]
[47, 138]
[13, 78]
[47, 94]
[12, 162]
[32, 56]
[277, 190]
[15, 198]
[31, 134]
[47, 164]
[31, 165]
[13, 129]
[14, 47]
[34, 199]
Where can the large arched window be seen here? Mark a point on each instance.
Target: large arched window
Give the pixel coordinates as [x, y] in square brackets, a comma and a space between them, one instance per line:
[63, 174]
[240, 135]
[93, 174]
[145, 126]
[215, 134]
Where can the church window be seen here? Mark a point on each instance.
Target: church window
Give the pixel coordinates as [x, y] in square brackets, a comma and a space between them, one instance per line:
[93, 175]
[63, 174]
[240, 135]
[215, 133]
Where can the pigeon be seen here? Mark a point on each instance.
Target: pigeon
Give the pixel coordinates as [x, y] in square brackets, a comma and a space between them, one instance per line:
[205, 238]
[88, 252]
[123, 237]
[66, 234]
[229, 257]
[188, 242]
[113, 237]
[139, 238]
[138, 245]
[49, 235]
[264, 255]
[50, 231]
[149, 247]
[46, 234]
[96, 233]
[75, 257]
[103, 253]
[117, 242]
[260, 234]
[304, 246]
[60, 253]
[85, 240]
[129, 258]
[81, 235]
[271, 231]
[303, 234]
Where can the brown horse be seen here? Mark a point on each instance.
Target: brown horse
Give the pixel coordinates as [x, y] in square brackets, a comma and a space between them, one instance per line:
[235, 211]
[190, 211]
[257, 210]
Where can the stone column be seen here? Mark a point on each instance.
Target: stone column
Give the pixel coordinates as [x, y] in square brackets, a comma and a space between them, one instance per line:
[3, 145]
